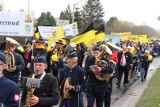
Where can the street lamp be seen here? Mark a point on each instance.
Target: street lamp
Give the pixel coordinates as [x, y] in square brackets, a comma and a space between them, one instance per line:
[73, 10]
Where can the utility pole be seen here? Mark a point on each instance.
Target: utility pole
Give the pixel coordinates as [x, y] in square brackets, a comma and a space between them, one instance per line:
[74, 9]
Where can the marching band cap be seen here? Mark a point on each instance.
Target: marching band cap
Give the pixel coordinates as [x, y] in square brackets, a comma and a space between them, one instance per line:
[2, 57]
[96, 48]
[40, 59]
[72, 54]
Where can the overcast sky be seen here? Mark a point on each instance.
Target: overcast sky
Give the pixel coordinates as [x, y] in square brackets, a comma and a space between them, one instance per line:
[140, 12]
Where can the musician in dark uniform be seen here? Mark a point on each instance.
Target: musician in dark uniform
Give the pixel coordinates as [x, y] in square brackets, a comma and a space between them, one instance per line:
[113, 63]
[9, 90]
[77, 83]
[13, 72]
[96, 88]
[47, 94]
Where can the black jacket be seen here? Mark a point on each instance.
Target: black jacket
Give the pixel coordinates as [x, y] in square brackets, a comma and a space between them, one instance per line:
[48, 93]
[93, 84]
[129, 59]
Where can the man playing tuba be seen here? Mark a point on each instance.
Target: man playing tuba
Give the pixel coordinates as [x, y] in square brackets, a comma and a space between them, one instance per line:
[96, 87]
[14, 61]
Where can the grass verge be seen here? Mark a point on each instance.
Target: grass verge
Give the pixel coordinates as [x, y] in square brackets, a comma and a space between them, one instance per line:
[151, 96]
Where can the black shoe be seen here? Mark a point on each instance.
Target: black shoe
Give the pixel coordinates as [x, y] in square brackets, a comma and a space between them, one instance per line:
[142, 80]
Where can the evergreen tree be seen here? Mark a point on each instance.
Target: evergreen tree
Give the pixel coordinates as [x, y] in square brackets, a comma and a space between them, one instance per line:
[77, 18]
[66, 14]
[92, 11]
[46, 19]
[62, 16]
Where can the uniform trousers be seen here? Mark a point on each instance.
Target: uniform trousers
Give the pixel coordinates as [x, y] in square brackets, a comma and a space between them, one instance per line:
[91, 97]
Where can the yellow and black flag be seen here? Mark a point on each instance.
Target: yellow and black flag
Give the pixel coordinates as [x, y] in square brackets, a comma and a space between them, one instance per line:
[37, 34]
[86, 36]
[100, 33]
[57, 34]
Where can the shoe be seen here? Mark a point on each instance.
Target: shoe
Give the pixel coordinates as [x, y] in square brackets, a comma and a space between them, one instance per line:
[142, 80]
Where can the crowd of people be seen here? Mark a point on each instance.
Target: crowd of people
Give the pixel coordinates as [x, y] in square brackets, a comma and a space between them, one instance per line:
[67, 71]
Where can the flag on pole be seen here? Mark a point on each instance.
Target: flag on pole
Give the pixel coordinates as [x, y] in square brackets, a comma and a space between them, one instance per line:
[56, 35]
[87, 36]
[100, 33]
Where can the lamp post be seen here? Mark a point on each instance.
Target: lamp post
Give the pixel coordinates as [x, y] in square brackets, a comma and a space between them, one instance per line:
[73, 10]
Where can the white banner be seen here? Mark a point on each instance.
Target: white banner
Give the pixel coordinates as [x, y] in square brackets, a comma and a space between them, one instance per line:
[70, 30]
[45, 31]
[16, 23]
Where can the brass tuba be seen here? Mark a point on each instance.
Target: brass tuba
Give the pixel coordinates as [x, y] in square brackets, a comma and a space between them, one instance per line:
[102, 63]
[64, 92]
[10, 60]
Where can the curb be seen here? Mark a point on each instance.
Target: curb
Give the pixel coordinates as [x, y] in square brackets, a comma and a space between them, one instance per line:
[138, 88]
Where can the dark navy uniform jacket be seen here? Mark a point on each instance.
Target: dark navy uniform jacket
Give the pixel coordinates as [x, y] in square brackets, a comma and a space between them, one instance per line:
[78, 81]
[9, 93]
[19, 63]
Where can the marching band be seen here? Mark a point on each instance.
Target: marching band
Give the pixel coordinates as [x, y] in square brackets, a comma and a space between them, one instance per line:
[68, 72]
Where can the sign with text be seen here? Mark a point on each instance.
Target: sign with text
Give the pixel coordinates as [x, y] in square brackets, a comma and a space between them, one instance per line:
[16, 23]
[45, 31]
[71, 29]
